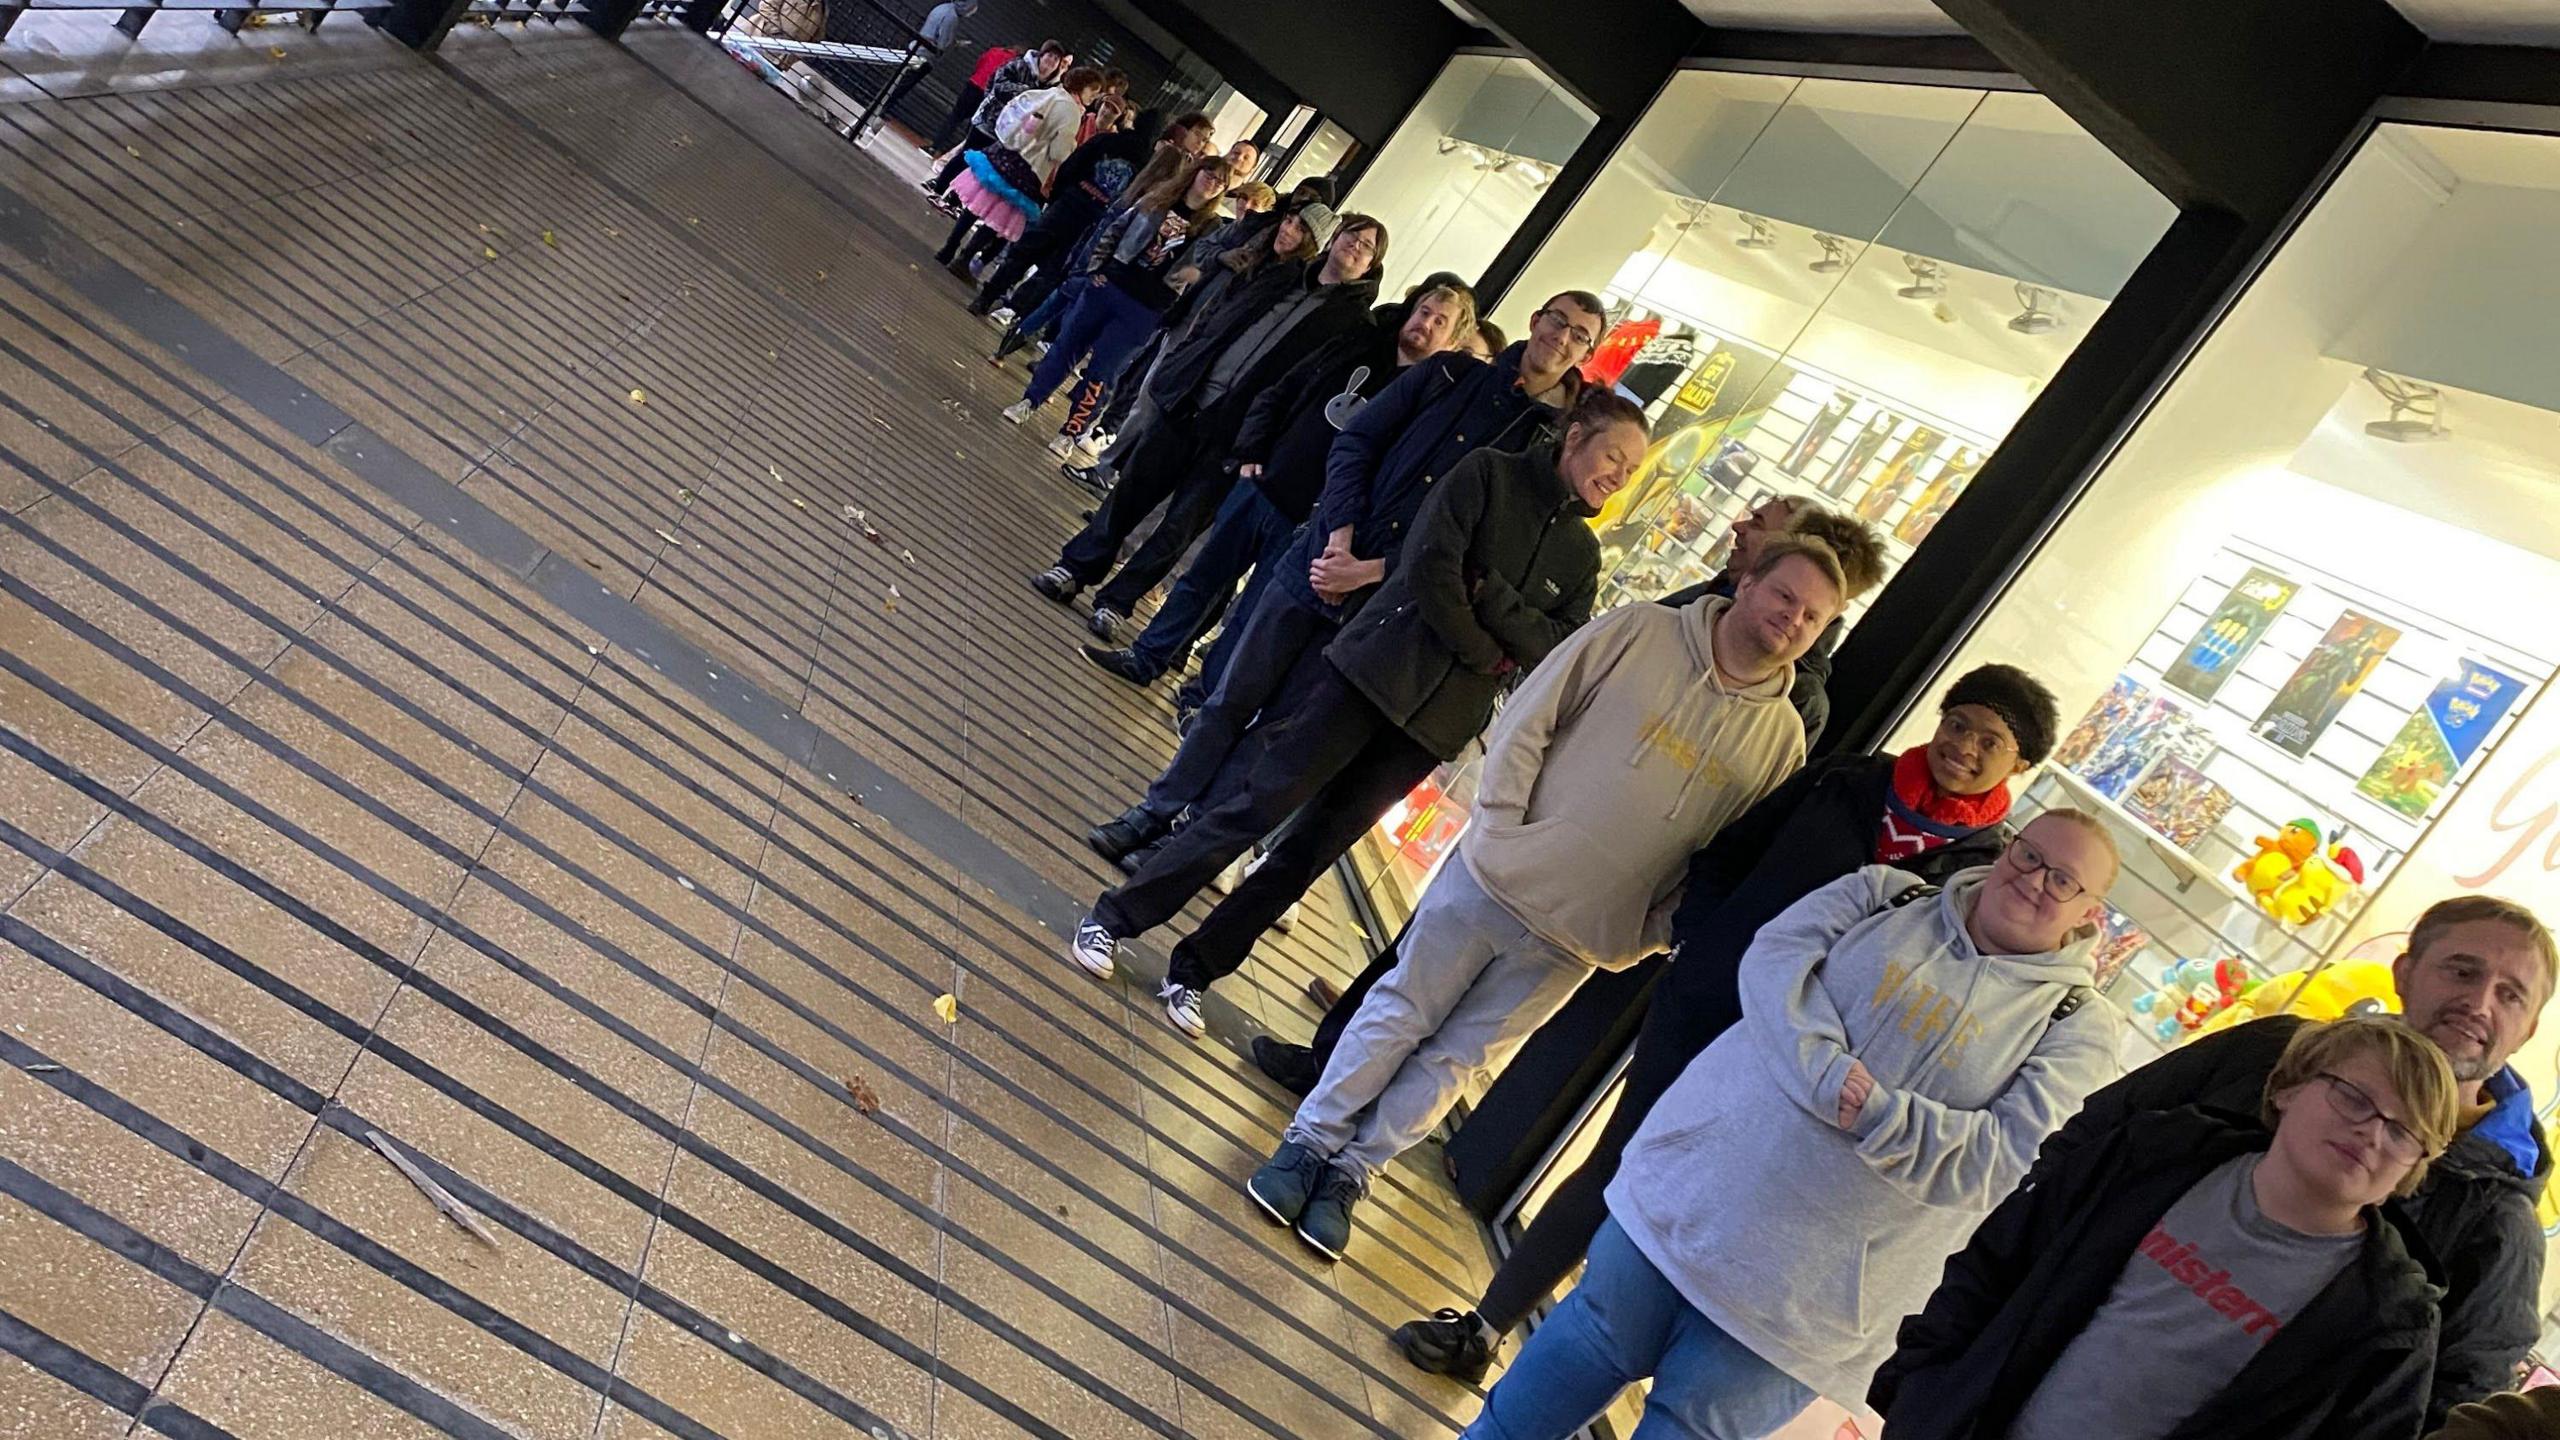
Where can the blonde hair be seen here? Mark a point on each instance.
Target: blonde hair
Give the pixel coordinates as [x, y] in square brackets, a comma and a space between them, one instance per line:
[1459, 297]
[2463, 909]
[2419, 1076]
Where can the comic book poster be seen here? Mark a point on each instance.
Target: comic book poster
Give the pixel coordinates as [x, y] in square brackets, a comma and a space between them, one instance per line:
[2119, 939]
[2439, 738]
[2114, 711]
[2324, 682]
[2231, 633]
[2162, 727]
[1826, 420]
[2176, 799]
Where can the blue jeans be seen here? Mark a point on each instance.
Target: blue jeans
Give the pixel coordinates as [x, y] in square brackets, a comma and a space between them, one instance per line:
[1623, 1323]
[1103, 328]
[1246, 532]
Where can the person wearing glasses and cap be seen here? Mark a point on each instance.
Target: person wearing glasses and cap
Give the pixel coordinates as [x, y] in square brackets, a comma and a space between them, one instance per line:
[2473, 979]
[2196, 1274]
[1903, 1050]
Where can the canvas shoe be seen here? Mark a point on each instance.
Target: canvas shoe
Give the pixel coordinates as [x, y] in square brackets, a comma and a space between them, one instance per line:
[1182, 1007]
[1285, 1181]
[1056, 584]
[1017, 412]
[1095, 950]
[1062, 445]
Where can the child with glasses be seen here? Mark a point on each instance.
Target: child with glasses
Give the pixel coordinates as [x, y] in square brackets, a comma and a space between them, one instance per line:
[2194, 1275]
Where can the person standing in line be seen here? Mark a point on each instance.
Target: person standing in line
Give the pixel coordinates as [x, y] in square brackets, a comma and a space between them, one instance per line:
[1198, 394]
[1378, 472]
[1120, 303]
[2197, 1274]
[1036, 305]
[1091, 179]
[1500, 570]
[1295, 1067]
[1031, 71]
[955, 126]
[1004, 189]
[935, 36]
[1629, 746]
[1902, 1052]
[1277, 462]
[1931, 811]
[1487, 341]
[2474, 979]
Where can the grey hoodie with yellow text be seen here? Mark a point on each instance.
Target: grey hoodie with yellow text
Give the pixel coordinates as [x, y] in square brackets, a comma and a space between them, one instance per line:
[1621, 754]
[1809, 1243]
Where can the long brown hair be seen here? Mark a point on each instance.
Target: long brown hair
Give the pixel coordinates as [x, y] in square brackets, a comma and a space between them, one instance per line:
[1170, 193]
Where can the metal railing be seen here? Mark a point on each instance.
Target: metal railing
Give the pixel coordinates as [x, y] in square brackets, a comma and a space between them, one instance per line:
[841, 59]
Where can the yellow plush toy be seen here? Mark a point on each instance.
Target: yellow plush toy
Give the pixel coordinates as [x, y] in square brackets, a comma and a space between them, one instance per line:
[2350, 987]
[2278, 857]
[2322, 881]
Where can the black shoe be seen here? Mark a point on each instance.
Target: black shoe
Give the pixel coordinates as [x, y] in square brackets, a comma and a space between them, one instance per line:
[1136, 860]
[1452, 1343]
[1056, 584]
[1291, 1067]
[1125, 834]
[1123, 663]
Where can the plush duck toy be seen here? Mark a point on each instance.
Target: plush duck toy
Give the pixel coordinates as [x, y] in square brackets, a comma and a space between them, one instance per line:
[2278, 857]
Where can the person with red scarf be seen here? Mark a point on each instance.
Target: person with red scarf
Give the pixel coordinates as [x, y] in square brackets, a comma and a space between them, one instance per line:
[1933, 810]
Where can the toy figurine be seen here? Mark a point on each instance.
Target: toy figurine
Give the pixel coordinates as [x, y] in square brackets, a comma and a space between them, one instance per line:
[2278, 857]
[2214, 990]
[2320, 992]
[2317, 886]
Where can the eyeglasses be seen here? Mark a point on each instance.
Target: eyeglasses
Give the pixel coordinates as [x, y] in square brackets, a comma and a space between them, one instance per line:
[2060, 885]
[1994, 743]
[2357, 1108]
[1581, 336]
[1364, 241]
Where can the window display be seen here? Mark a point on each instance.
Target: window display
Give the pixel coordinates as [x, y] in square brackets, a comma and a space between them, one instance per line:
[1822, 290]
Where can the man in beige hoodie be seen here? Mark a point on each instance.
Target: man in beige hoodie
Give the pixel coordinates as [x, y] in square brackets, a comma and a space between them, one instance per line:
[1634, 741]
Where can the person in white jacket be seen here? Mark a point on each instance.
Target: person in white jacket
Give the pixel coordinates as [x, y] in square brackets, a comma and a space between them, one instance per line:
[1902, 1054]
[1627, 747]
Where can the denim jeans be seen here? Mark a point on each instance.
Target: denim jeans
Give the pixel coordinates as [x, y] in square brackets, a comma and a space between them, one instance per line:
[1247, 531]
[1105, 322]
[1625, 1322]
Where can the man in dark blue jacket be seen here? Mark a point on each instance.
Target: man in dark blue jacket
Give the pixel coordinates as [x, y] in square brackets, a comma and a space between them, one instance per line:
[1376, 476]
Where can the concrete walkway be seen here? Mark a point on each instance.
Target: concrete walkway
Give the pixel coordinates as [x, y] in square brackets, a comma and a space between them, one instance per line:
[452, 720]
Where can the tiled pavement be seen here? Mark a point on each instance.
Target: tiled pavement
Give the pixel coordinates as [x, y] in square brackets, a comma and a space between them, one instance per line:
[444, 698]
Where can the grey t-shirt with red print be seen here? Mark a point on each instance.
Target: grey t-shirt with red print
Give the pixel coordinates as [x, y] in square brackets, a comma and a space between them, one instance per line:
[2213, 1282]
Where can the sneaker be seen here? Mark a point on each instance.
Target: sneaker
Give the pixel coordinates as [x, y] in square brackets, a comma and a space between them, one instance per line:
[1002, 317]
[1285, 1181]
[1291, 1067]
[1183, 715]
[1454, 1343]
[1325, 1223]
[1039, 349]
[1182, 1007]
[1123, 663]
[1106, 622]
[1062, 445]
[1289, 918]
[1127, 832]
[1136, 860]
[1017, 412]
[1095, 950]
[1057, 584]
[1092, 477]
[1226, 881]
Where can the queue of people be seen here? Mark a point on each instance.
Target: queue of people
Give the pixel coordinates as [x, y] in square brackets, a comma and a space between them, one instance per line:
[1873, 1143]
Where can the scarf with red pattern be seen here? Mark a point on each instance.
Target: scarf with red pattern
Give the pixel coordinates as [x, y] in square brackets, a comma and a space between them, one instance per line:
[1920, 817]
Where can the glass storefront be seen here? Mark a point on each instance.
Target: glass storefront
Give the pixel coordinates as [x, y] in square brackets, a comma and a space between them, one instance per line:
[1461, 173]
[2301, 619]
[1834, 290]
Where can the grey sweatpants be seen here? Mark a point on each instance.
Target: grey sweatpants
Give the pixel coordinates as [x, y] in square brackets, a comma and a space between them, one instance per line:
[1470, 985]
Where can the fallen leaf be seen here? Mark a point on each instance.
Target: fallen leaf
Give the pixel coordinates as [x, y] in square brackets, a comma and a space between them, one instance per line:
[948, 1007]
[865, 1099]
[684, 494]
[799, 503]
[639, 397]
[550, 239]
[136, 154]
[775, 471]
[275, 52]
[484, 227]
[907, 555]
[486, 253]
[891, 604]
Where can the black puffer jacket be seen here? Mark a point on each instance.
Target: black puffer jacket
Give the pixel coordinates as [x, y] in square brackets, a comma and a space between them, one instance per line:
[2475, 1210]
[2353, 1365]
[1499, 569]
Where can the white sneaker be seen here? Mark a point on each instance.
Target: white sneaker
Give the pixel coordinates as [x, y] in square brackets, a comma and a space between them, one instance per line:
[1039, 349]
[1228, 879]
[1095, 950]
[1289, 918]
[1017, 412]
[1062, 446]
[1001, 316]
[1182, 1007]
[1087, 454]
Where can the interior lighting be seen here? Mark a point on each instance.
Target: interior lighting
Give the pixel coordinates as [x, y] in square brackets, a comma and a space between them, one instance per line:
[2417, 409]
[1928, 278]
[2038, 318]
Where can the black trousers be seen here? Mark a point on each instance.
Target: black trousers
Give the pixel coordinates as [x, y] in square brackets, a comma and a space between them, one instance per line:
[977, 140]
[1338, 1019]
[1187, 513]
[1270, 647]
[956, 124]
[1037, 249]
[1155, 473]
[1329, 752]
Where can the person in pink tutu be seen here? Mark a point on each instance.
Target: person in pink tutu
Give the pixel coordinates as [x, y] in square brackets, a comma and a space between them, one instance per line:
[1001, 189]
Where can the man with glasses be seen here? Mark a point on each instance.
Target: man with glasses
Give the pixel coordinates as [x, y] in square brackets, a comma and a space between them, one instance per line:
[1902, 1052]
[1377, 474]
[2473, 979]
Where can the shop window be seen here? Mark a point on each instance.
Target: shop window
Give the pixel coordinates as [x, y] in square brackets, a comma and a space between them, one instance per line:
[1458, 178]
[1830, 290]
[2299, 623]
